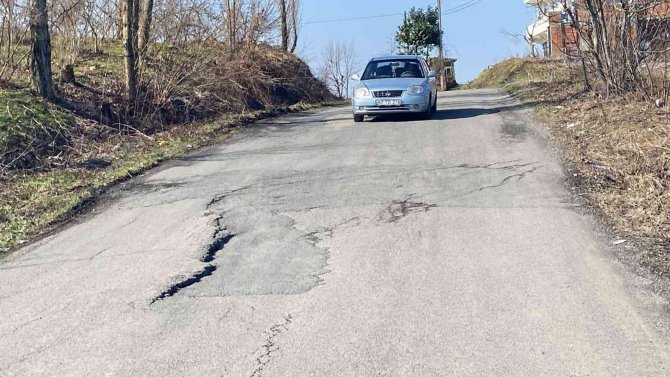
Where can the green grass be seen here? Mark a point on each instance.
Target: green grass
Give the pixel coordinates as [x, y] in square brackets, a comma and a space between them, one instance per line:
[107, 65]
[30, 127]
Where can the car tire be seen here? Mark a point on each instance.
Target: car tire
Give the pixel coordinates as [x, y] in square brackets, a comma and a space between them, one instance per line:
[359, 118]
[433, 108]
[426, 114]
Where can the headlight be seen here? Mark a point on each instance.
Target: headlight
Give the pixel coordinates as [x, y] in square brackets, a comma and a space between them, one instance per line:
[416, 89]
[361, 92]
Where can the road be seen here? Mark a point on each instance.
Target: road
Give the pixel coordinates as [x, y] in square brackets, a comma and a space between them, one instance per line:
[313, 246]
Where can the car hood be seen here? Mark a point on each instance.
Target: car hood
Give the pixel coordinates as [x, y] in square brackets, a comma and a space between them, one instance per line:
[399, 83]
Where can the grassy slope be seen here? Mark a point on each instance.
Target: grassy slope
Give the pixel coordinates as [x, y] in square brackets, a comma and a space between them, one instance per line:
[30, 128]
[517, 73]
[619, 147]
[80, 158]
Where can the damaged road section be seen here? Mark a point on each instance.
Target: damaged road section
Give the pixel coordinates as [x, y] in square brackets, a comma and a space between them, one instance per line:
[507, 179]
[270, 346]
[401, 208]
[316, 236]
[269, 256]
[189, 281]
[220, 238]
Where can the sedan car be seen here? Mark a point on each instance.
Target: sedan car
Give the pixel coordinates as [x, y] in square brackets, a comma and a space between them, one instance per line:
[395, 84]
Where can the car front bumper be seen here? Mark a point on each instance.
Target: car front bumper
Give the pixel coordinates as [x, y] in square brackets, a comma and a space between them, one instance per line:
[408, 104]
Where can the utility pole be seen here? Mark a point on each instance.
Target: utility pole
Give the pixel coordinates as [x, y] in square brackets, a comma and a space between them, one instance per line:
[443, 80]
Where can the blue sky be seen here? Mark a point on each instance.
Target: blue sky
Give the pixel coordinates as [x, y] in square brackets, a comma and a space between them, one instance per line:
[474, 36]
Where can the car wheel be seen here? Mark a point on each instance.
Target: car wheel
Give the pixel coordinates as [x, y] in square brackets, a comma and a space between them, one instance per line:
[359, 118]
[434, 107]
[426, 114]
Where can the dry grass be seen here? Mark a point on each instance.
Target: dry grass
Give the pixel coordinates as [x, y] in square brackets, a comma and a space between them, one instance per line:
[619, 147]
[517, 73]
[623, 147]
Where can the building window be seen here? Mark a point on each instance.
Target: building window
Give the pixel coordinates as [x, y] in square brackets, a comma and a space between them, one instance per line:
[565, 17]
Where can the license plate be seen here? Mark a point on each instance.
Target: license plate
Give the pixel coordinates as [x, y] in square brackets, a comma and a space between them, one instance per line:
[388, 102]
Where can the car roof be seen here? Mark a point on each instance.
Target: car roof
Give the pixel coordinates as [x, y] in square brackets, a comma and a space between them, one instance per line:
[392, 57]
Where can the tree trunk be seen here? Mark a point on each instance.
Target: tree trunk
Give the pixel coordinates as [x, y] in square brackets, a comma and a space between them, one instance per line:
[145, 25]
[40, 62]
[295, 8]
[130, 24]
[284, 25]
[231, 23]
[121, 20]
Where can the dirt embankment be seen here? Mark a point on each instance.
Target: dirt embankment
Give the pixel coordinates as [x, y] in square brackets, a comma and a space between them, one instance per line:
[56, 157]
[619, 147]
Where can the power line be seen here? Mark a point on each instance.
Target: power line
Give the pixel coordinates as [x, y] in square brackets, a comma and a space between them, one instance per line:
[455, 9]
[353, 18]
[463, 7]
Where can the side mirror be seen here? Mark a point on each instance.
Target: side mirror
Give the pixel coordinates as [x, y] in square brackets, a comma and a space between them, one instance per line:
[356, 77]
[432, 74]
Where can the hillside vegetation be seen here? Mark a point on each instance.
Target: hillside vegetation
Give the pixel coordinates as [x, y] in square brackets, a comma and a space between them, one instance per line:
[95, 92]
[56, 157]
[618, 146]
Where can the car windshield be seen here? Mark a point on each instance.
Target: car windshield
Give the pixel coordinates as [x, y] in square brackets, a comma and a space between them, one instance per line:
[384, 69]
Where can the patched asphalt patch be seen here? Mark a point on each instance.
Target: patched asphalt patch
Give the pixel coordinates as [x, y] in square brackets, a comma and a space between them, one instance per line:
[266, 256]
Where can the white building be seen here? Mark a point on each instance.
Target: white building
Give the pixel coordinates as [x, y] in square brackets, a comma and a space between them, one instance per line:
[549, 12]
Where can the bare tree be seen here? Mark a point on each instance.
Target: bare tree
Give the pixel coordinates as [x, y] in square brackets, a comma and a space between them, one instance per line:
[145, 25]
[106, 16]
[283, 20]
[89, 17]
[40, 42]
[294, 23]
[185, 34]
[130, 26]
[521, 38]
[232, 11]
[619, 43]
[13, 31]
[258, 21]
[121, 18]
[337, 66]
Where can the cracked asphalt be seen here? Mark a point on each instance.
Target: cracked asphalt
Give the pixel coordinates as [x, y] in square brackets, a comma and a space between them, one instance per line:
[313, 246]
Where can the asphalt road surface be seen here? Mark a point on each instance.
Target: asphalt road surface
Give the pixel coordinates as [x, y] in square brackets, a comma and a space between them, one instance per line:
[313, 246]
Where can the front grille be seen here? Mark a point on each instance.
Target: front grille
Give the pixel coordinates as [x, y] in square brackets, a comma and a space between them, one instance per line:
[386, 109]
[387, 93]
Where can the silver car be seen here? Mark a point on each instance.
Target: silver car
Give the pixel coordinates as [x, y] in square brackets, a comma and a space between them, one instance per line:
[395, 84]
